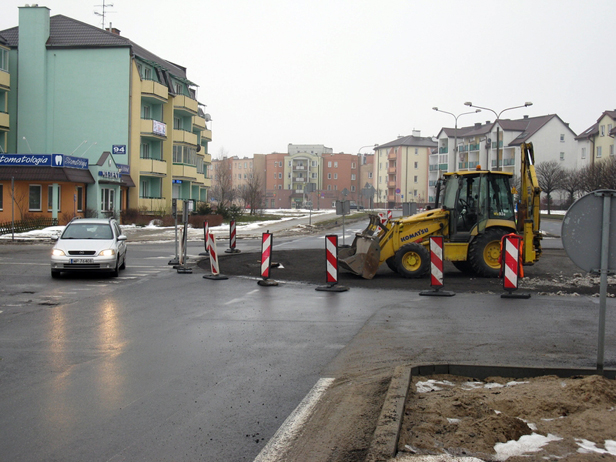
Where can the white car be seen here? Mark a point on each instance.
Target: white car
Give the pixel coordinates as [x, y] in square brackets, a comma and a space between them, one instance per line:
[89, 244]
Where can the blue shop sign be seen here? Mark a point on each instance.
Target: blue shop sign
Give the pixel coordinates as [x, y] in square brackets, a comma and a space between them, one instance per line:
[124, 169]
[110, 175]
[43, 160]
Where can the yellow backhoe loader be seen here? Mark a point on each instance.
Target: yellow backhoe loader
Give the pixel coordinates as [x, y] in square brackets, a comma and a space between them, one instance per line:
[473, 211]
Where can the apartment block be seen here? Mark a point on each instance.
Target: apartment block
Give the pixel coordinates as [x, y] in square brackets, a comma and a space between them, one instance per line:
[596, 143]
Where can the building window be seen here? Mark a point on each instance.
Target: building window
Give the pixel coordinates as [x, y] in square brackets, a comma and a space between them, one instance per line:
[416, 151]
[415, 179]
[35, 200]
[329, 164]
[352, 164]
[369, 174]
[598, 151]
[329, 176]
[335, 176]
[4, 60]
[290, 164]
[352, 177]
[145, 151]
[80, 198]
[329, 187]
[146, 112]
[145, 189]
[279, 186]
[352, 188]
[177, 123]
[50, 197]
[583, 153]
[107, 199]
[313, 175]
[562, 137]
[602, 130]
[611, 150]
[280, 175]
[562, 156]
[416, 164]
[335, 187]
[335, 164]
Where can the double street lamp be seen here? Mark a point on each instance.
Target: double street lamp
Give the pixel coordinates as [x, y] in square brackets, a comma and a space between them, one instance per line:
[498, 147]
[455, 148]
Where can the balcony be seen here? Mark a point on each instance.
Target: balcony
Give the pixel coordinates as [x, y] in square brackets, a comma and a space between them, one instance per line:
[299, 167]
[184, 172]
[391, 198]
[433, 167]
[154, 90]
[299, 180]
[5, 80]
[442, 167]
[152, 204]
[473, 147]
[463, 165]
[182, 136]
[463, 148]
[198, 122]
[4, 121]
[153, 129]
[391, 170]
[153, 167]
[444, 150]
[392, 156]
[206, 134]
[186, 105]
[391, 184]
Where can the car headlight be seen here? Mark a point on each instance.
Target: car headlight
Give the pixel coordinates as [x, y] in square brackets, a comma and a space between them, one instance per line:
[58, 253]
[107, 253]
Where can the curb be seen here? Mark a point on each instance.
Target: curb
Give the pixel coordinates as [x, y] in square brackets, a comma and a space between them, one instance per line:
[384, 443]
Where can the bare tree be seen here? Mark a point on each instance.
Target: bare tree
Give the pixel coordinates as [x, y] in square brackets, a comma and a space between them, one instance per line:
[572, 185]
[223, 190]
[21, 199]
[551, 177]
[600, 175]
[251, 192]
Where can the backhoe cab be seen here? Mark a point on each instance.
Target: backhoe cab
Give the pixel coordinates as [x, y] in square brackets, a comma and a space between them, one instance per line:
[473, 211]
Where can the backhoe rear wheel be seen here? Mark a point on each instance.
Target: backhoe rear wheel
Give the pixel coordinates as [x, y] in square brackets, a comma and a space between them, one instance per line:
[412, 260]
[484, 253]
[463, 266]
[391, 264]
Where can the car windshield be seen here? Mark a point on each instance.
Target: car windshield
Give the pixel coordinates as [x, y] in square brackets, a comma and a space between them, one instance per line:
[88, 231]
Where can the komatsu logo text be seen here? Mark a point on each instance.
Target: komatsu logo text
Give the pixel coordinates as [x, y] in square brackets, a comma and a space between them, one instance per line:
[414, 235]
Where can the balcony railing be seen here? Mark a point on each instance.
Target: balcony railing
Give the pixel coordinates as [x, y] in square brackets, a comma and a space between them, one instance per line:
[186, 104]
[182, 136]
[392, 156]
[391, 170]
[207, 134]
[442, 166]
[150, 88]
[157, 166]
[444, 150]
[391, 184]
[473, 147]
[199, 122]
[153, 128]
[4, 121]
[462, 165]
[299, 180]
[5, 80]
[299, 167]
[152, 204]
[463, 148]
[183, 171]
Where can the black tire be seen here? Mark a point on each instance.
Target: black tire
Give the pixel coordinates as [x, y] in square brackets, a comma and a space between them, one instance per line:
[391, 264]
[123, 265]
[463, 266]
[412, 260]
[55, 274]
[116, 272]
[484, 253]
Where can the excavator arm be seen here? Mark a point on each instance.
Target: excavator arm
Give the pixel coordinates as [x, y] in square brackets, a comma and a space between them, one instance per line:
[529, 207]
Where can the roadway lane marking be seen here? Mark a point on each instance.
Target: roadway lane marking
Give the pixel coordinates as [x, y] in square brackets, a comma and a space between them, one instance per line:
[276, 448]
[235, 300]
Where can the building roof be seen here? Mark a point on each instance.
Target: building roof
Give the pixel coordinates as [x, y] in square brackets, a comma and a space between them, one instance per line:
[593, 130]
[65, 32]
[73, 175]
[415, 141]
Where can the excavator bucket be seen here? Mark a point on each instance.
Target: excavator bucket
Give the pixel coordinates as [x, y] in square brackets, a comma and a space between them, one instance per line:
[363, 257]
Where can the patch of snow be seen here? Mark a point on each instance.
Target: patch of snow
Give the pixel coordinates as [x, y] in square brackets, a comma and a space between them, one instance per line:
[432, 385]
[493, 385]
[587, 447]
[453, 421]
[527, 443]
[513, 383]
[472, 385]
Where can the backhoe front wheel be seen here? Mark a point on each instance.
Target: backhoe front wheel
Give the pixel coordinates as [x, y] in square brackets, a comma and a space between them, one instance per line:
[484, 253]
[412, 260]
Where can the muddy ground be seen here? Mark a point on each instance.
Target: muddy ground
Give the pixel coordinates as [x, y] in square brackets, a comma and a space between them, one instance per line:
[554, 273]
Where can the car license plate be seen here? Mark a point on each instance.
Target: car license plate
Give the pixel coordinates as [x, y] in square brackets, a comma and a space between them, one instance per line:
[76, 261]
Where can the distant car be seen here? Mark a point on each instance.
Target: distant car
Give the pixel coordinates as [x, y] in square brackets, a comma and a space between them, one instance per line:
[89, 244]
[354, 206]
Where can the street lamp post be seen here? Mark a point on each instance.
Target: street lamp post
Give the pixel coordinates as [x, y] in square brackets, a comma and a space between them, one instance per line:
[498, 149]
[455, 148]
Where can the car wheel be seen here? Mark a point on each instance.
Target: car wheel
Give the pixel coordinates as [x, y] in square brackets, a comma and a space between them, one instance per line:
[116, 272]
[55, 274]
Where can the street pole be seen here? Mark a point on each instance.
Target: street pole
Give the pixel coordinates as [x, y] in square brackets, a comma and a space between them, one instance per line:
[498, 148]
[455, 147]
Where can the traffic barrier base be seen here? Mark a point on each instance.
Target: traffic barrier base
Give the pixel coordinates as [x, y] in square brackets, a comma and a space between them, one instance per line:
[436, 269]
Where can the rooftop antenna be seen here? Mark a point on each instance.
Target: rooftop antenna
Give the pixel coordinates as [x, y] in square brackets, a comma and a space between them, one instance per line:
[102, 15]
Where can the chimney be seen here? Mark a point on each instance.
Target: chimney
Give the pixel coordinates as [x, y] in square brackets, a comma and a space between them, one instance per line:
[477, 124]
[113, 30]
[526, 117]
[417, 133]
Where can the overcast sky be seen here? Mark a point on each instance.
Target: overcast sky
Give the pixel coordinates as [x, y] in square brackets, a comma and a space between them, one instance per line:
[351, 73]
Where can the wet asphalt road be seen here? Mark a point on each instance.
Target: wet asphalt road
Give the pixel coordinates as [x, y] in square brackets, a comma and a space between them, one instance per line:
[158, 366]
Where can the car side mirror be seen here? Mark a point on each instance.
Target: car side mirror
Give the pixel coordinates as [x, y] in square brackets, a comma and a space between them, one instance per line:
[122, 237]
[55, 237]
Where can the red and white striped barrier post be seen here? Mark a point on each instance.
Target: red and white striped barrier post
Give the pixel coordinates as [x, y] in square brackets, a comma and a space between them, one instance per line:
[331, 265]
[390, 215]
[232, 238]
[383, 218]
[206, 230]
[436, 268]
[511, 265]
[214, 268]
[267, 241]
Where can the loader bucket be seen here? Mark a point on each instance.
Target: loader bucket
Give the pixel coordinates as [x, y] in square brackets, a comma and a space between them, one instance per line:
[363, 257]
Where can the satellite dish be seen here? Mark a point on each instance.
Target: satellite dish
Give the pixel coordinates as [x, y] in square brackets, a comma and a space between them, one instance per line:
[207, 117]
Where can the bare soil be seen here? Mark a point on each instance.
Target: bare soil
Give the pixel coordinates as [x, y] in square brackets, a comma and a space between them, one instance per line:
[461, 416]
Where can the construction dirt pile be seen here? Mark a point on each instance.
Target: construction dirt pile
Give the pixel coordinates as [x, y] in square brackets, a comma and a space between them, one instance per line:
[537, 419]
